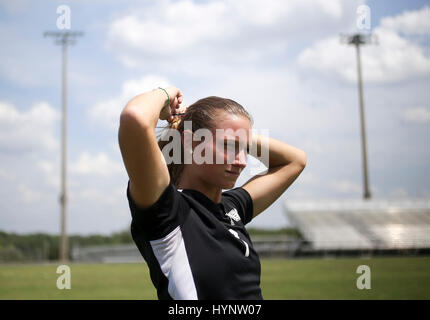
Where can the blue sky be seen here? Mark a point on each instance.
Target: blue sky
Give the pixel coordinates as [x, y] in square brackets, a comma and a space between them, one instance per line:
[283, 61]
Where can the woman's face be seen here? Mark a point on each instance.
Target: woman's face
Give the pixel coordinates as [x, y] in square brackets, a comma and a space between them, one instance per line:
[228, 149]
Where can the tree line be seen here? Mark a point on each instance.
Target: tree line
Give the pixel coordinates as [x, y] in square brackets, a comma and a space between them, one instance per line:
[45, 247]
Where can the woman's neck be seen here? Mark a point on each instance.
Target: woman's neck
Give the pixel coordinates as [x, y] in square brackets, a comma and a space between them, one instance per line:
[210, 191]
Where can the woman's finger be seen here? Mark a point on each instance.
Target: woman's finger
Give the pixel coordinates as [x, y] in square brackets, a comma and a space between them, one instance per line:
[175, 103]
[181, 110]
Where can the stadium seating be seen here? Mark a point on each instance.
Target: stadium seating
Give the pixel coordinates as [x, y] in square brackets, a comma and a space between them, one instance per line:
[362, 224]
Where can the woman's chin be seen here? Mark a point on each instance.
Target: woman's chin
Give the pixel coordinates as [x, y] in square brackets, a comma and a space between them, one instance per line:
[229, 184]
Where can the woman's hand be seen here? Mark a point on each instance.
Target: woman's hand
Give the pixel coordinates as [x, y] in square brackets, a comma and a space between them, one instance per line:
[176, 99]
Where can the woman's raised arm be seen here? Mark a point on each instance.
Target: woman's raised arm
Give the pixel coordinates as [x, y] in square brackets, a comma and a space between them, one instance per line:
[285, 165]
[143, 159]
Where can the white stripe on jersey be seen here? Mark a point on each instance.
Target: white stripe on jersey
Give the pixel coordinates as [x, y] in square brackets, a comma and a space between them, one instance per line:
[172, 257]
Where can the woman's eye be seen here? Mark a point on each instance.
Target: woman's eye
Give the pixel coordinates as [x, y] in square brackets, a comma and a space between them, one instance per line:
[234, 147]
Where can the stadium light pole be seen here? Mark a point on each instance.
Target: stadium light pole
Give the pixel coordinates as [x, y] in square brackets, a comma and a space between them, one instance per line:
[64, 39]
[357, 40]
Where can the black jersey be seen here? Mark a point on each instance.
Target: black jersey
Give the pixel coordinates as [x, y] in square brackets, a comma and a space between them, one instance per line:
[196, 248]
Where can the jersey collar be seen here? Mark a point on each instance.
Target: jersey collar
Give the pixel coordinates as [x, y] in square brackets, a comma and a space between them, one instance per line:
[205, 201]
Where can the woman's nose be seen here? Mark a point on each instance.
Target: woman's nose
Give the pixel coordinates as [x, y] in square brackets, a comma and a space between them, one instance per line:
[240, 159]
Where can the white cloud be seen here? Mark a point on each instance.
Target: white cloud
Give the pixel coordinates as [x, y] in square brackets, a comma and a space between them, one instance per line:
[107, 112]
[99, 165]
[30, 130]
[7, 175]
[220, 31]
[112, 196]
[29, 195]
[394, 58]
[51, 172]
[417, 115]
[170, 30]
[46, 166]
[158, 34]
[409, 22]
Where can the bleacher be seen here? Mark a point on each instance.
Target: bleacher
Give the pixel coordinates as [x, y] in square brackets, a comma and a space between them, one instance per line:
[362, 224]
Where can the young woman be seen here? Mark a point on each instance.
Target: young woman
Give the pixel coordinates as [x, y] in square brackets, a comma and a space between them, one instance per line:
[192, 234]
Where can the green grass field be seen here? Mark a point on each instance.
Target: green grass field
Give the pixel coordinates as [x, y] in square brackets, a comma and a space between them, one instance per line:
[391, 278]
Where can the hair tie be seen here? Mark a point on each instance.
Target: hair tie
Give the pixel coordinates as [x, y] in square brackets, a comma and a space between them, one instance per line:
[168, 98]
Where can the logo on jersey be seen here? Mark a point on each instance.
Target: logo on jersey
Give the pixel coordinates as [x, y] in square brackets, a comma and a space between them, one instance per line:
[233, 215]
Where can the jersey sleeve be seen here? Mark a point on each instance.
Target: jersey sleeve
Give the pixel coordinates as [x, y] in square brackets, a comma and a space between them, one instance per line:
[162, 217]
[242, 199]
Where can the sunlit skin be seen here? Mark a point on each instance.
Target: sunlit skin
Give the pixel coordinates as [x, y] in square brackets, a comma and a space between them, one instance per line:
[210, 179]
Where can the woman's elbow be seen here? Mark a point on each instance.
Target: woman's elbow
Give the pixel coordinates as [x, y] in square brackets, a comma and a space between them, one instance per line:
[132, 117]
[301, 159]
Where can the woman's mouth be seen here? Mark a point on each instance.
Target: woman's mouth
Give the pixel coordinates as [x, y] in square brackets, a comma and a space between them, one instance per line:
[231, 173]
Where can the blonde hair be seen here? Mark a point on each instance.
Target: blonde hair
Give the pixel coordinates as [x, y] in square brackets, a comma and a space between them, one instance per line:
[204, 113]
